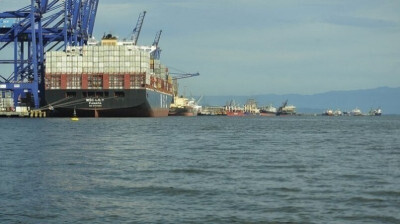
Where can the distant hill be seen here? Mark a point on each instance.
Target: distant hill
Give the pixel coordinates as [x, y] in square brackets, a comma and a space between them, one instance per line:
[388, 99]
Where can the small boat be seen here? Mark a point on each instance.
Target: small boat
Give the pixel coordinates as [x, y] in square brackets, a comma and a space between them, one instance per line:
[376, 112]
[356, 112]
[74, 117]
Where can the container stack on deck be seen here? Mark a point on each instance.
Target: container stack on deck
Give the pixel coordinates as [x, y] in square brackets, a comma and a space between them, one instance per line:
[104, 67]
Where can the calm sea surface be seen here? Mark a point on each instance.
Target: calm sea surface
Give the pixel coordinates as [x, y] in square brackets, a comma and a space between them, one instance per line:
[200, 170]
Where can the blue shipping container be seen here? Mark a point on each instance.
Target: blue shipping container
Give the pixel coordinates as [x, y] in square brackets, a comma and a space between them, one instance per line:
[7, 23]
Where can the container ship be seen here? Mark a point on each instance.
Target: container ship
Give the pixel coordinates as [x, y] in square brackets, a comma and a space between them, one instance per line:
[109, 78]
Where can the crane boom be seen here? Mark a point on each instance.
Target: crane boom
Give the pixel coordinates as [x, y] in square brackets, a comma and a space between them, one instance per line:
[138, 28]
[156, 53]
[157, 38]
[182, 76]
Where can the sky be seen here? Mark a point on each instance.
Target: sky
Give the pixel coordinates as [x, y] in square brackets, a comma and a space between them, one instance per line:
[250, 47]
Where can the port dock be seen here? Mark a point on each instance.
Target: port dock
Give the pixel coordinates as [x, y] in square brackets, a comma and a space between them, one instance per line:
[22, 114]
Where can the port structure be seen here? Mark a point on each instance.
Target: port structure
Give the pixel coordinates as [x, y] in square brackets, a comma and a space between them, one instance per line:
[42, 26]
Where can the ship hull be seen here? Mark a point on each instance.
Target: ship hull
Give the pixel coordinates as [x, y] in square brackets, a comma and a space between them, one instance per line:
[235, 113]
[185, 111]
[267, 113]
[109, 103]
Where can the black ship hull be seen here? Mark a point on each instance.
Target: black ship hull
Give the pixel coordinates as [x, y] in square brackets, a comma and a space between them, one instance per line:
[108, 103]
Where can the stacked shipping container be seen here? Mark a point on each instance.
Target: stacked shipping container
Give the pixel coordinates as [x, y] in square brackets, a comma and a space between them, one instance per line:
[6, 100]
[105, 67]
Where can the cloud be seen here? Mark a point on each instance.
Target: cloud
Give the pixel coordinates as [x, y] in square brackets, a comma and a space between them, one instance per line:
[267, 46]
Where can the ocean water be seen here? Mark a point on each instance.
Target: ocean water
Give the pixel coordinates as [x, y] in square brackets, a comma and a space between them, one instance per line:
[200, 170]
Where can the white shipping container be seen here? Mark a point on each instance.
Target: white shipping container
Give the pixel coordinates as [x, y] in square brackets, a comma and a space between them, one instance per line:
[143, 65]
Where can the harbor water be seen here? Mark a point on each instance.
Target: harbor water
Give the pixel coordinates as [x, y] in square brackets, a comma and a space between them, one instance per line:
[299, 169]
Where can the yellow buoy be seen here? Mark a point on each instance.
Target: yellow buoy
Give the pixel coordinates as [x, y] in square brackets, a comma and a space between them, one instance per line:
[74, 117]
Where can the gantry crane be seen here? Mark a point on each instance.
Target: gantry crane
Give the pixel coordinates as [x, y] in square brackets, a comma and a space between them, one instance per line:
[41, 26]
[138, 28]
[155, 54]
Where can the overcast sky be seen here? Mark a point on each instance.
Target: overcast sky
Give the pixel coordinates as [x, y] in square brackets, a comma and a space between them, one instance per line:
[247, 47]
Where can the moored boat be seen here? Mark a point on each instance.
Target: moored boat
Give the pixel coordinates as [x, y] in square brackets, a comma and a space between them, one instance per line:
[376, 112]
[356, 112]
[234, 110]
[268, 111]
[286, 109]
[183, 106]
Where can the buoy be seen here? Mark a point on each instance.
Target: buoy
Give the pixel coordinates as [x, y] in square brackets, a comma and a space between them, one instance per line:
[74, 117]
